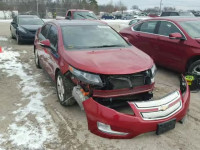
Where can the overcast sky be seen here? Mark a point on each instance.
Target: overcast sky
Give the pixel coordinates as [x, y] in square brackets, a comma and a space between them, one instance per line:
[179, 4]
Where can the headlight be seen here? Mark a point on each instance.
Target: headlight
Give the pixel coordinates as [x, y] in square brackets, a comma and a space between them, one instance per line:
[21, 30]
[153, 73]
[86, 77]
[153, 70]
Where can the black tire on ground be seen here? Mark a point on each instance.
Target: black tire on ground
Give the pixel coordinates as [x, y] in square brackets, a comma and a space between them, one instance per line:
[195, 68]
[37, 61]
[18, 40]
[64, 89]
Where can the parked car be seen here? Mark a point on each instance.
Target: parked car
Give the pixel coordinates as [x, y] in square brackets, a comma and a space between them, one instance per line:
[24, 27]
[177, 13]
[172, 42]
[102, 76]
[127, 16]
[107, 16]
[118, 16]
[80, 14]
[136, 20]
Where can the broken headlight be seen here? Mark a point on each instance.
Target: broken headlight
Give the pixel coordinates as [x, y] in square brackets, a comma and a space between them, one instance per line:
[153, 73]
[86, 77]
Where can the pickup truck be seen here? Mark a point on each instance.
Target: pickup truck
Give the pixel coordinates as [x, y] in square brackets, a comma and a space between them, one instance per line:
[79, 14]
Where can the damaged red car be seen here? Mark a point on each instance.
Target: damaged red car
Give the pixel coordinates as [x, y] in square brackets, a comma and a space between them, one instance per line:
[94, 66]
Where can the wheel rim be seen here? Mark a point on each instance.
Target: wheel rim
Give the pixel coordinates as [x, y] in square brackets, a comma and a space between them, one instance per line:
[196, 70]
[36, 57]
[60, 88]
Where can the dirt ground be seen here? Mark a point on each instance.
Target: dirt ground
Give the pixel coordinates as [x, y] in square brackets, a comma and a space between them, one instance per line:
[32, 118]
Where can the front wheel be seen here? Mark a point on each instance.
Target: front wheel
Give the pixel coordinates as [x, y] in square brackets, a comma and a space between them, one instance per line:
[18, 40]
[195, 68]
[37, 61]
[64, 90]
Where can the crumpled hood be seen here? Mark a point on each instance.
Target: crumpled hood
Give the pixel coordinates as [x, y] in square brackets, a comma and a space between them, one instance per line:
[31, 27]
[110, 61]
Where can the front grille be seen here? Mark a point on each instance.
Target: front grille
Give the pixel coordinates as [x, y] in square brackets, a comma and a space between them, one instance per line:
[113, 82]
[160, 109]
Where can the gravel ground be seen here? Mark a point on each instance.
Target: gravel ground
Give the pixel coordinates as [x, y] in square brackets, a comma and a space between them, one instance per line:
[32, 118]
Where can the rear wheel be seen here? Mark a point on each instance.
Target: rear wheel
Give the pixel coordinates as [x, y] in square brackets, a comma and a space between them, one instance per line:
[64, 90]
[195, 68]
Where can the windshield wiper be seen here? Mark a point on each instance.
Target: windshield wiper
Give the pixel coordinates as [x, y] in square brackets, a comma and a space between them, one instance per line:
[91, 17]
[82, 16]
[102, 46]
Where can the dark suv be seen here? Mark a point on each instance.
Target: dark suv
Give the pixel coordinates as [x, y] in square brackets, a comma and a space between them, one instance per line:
[176, 13]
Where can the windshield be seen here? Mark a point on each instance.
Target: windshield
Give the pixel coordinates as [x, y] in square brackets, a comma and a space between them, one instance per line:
[30, 21]
[192, 28]
[84, 15]
[91, 36]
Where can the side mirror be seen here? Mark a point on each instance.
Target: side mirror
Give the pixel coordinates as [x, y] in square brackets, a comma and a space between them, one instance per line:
[45, 43]
[175, 36]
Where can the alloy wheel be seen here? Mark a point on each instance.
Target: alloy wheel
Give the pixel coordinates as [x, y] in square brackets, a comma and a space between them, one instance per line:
[60, 88]
[196, 70]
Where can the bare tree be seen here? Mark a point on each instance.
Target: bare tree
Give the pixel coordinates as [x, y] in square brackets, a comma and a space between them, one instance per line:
[135, 7]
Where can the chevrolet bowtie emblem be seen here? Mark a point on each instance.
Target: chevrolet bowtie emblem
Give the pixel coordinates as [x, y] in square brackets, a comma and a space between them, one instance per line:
[163, 108]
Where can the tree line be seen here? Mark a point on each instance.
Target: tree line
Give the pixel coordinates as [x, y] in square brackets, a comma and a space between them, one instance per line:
[60, 6]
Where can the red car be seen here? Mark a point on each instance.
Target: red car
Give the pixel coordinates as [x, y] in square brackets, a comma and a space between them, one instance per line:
[94, 66]
[172, 42]
[80, 14]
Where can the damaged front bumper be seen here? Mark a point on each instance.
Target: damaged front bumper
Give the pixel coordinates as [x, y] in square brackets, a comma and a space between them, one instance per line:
[109, 123]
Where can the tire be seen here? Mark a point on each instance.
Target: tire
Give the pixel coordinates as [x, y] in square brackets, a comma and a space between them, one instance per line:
[195, 68]
[18, 40]
[37, 61]
[64, 89]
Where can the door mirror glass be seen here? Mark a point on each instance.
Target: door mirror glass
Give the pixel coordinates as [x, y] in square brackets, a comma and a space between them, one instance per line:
[175, 36]
[45, 43]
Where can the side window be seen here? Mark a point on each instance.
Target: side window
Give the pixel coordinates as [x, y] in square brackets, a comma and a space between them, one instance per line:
[15, 19]
[148, 27]
[165, 14]
[167, 28]
[69, 14]
[137, 27]
[174, 14]
[53, 37]
[44, 30]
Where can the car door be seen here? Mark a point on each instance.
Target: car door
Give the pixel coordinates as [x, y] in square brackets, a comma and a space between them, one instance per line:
[171, 52]
[42, 51]
[52, 52]
[145, 38]
[13, 26]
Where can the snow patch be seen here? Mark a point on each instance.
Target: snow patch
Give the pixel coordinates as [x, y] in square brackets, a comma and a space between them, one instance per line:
[3, 38]
[33, 124]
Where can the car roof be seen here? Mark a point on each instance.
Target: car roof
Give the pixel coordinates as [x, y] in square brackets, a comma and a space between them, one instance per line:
[77, 22]
[176, 18]
[78, 10]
